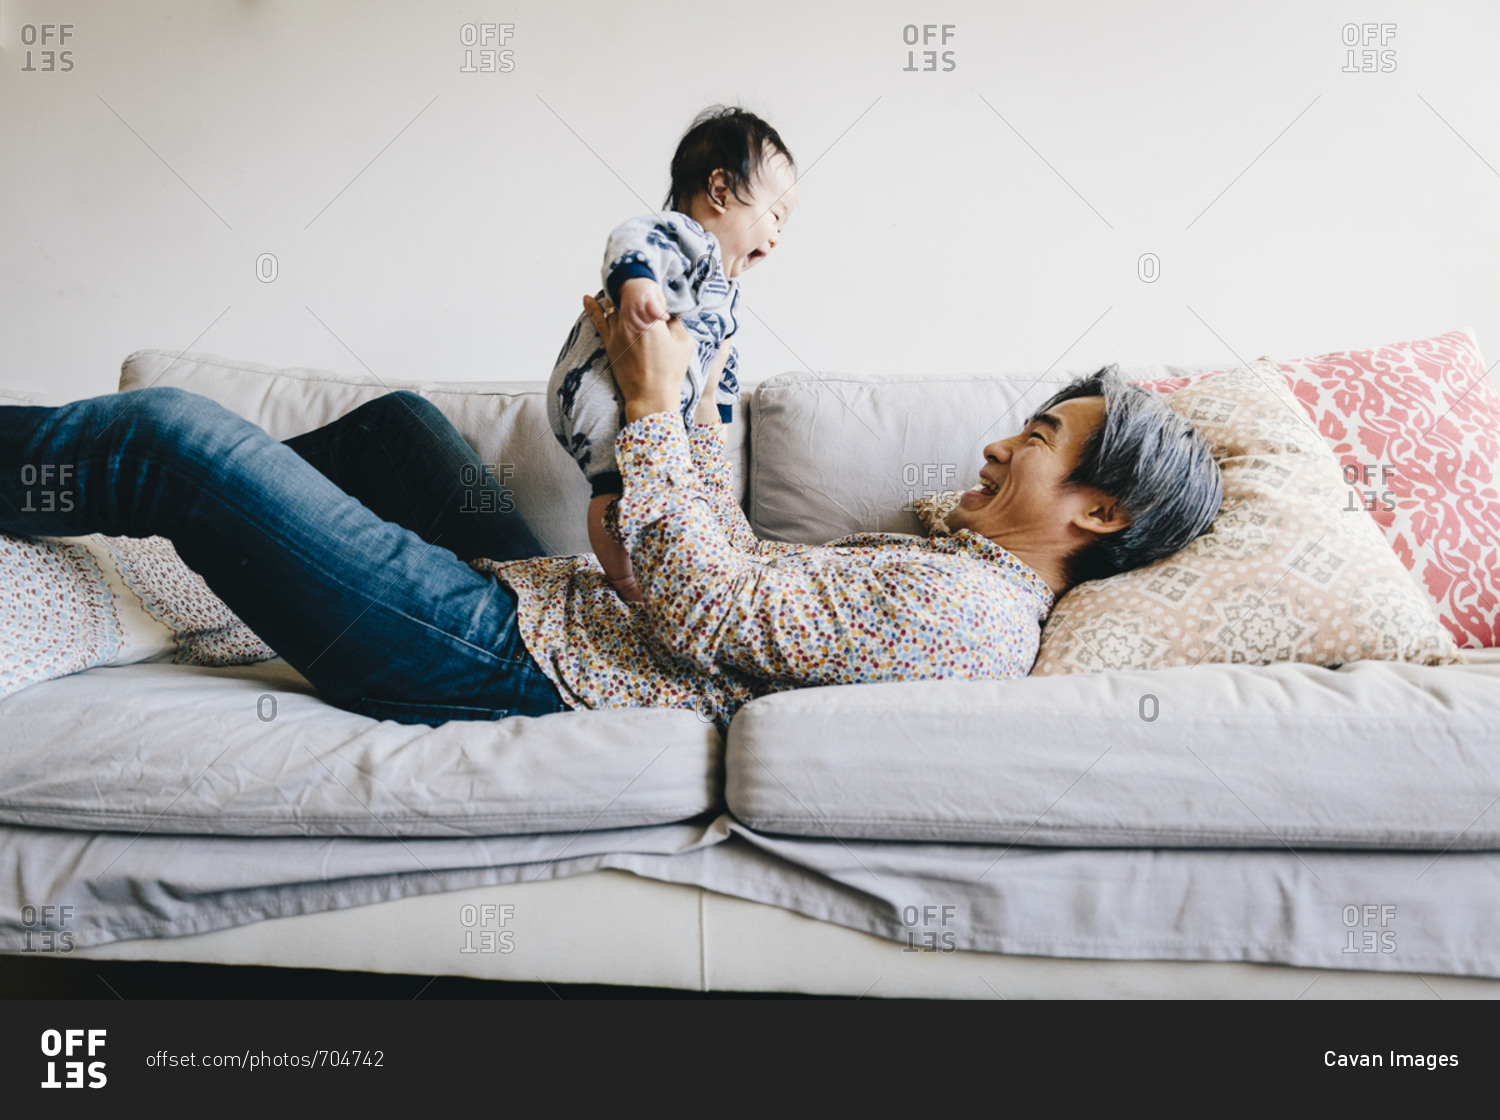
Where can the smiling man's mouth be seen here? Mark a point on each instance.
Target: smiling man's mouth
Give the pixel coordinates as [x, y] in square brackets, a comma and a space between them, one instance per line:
[981, 493]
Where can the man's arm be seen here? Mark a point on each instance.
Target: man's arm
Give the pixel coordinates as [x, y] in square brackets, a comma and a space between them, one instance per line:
[708, 440]
[707, 446]
[717, 606]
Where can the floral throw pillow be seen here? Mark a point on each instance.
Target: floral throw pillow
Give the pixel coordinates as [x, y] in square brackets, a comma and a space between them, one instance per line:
[1288, 572]
[1416, 428]
[71, 603]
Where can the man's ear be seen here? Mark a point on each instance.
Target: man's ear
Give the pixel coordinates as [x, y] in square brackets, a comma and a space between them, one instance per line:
[1102, 514]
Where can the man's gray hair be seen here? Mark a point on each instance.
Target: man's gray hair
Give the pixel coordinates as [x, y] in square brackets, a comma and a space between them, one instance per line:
[1154, 463]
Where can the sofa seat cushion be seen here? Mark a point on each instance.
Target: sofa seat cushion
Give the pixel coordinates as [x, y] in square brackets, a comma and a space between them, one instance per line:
[1374, 755]
[252, 751]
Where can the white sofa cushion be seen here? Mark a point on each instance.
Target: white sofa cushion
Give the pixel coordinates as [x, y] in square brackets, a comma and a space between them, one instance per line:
[834, 454]
[505, 422]
[253, 751]
[1374, 755]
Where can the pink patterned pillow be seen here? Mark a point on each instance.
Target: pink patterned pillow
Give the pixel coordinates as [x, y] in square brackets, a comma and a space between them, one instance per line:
[1416, 428]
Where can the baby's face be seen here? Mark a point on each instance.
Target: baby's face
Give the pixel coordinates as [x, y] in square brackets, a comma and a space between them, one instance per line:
[749, 230]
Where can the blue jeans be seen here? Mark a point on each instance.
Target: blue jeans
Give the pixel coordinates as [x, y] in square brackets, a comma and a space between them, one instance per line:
[345, 549]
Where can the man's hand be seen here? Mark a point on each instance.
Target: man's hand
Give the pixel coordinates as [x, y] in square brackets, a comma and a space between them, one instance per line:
[642, 302]
[648, 366]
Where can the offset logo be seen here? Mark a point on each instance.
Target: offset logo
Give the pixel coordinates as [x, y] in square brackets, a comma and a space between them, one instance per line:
[47, 39]
[927, 928]
[1366, 48]
[484, 928]
[487, 41]
[485, 490]
[925, 36]
[1367, 928]
[45, 929]
[50, 479]
[1368, 489]
[66, 1044]
[936, 478]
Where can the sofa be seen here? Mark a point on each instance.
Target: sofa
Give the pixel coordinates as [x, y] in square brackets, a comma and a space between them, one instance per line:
[1216, 829]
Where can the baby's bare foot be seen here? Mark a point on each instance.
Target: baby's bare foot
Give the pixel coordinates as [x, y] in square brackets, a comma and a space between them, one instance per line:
[613, 557]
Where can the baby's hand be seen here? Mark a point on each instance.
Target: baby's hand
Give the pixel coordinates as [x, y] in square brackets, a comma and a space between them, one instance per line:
[642, 302]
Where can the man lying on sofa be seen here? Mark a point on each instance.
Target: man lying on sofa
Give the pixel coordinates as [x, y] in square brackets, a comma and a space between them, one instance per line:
[356, 552]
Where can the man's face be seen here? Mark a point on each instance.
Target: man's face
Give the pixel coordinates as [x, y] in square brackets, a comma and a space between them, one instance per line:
[1021, 498]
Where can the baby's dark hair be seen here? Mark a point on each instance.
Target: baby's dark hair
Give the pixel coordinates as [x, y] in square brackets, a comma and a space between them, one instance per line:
[721, 138]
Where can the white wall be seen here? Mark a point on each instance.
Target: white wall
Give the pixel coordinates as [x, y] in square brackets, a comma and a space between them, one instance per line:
[929, 237]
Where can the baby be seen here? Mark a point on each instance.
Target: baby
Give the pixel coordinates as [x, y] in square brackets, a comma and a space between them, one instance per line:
[733, 189]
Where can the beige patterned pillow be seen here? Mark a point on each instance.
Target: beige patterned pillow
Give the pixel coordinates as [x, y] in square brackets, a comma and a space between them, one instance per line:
[1291, 570]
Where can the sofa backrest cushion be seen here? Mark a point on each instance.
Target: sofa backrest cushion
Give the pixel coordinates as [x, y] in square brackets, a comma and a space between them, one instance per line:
[505, 422]
[833, 454]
